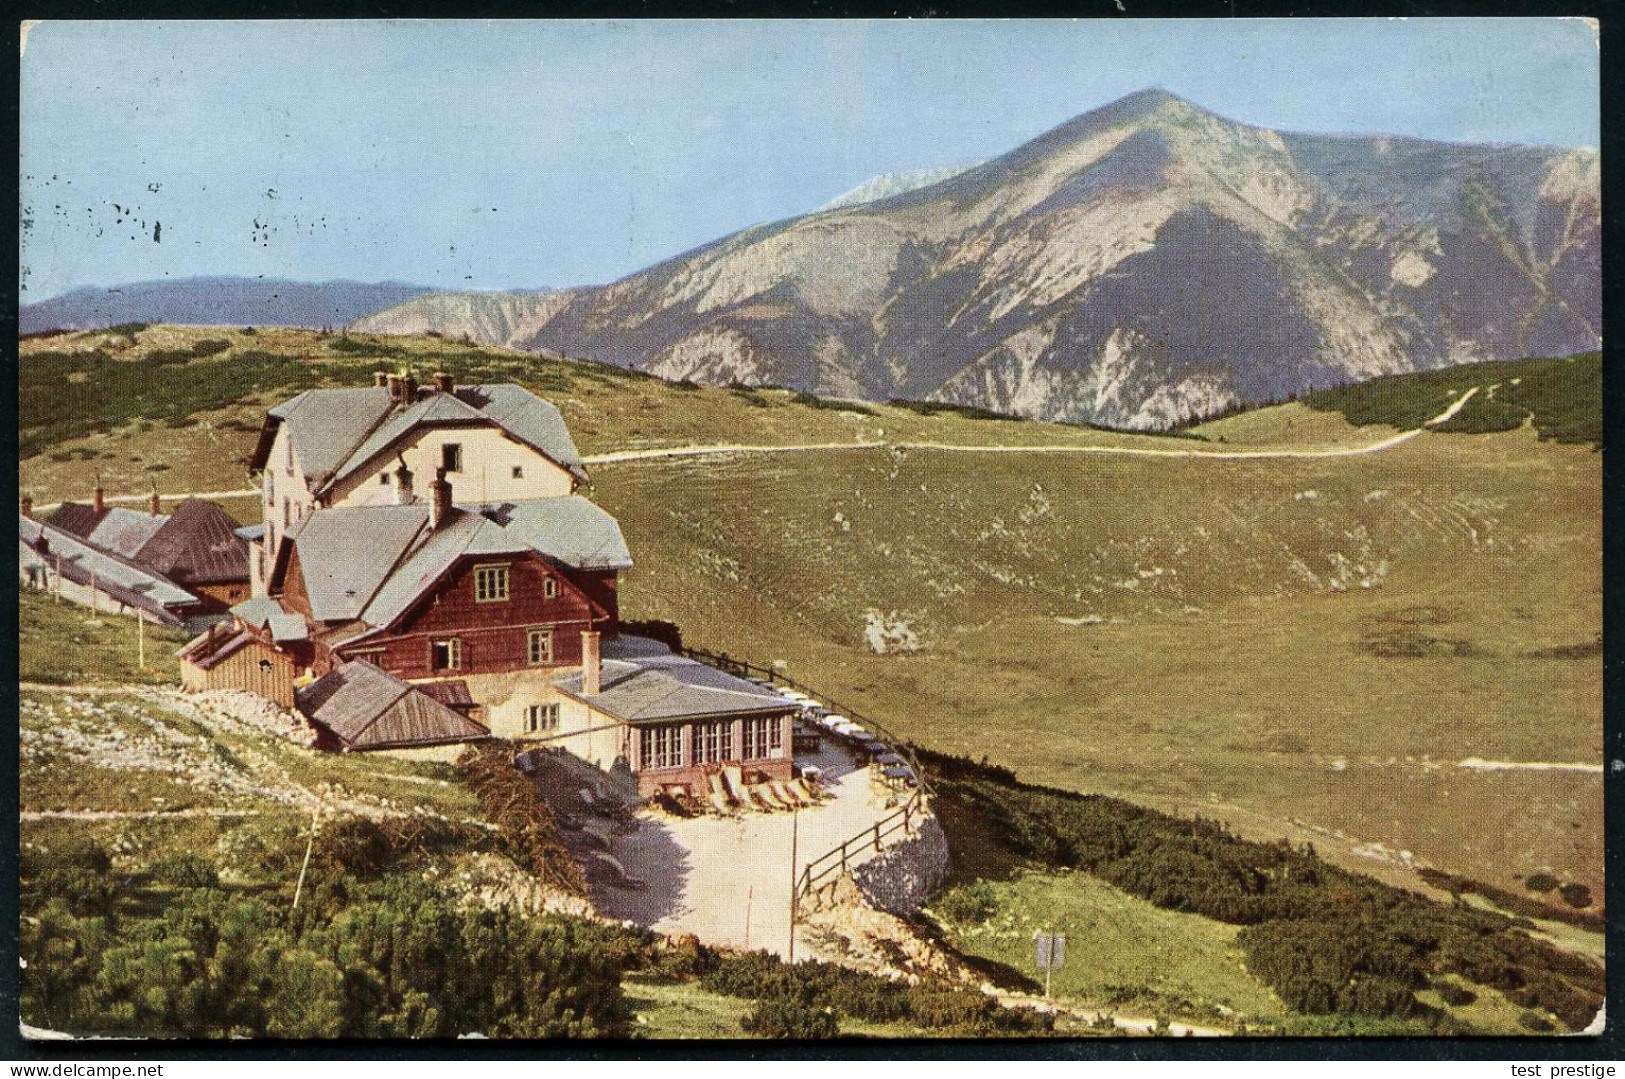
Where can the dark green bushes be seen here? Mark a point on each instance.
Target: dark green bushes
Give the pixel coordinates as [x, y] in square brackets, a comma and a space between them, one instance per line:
[932, 408]
[401, 962]
[1562, 397]
[1325, 939]
[798, 994]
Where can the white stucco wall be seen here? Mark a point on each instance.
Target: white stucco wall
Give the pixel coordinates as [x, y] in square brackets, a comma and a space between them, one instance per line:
[489, 460]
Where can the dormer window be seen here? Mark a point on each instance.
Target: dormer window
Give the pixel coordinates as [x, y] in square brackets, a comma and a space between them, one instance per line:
[451, 456]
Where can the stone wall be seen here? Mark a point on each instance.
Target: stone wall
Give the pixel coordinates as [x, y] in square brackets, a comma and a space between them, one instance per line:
[904, 876]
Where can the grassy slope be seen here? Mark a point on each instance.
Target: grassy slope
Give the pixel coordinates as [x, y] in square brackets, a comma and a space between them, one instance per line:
[1559, 396]
[129, 437]
[1121, 951]
[1235, 592]
[64, 643]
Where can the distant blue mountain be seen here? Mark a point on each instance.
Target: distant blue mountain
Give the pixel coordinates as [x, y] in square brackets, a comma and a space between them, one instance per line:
[216, 301]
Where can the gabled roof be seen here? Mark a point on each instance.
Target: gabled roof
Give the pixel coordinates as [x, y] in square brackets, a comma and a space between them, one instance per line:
[325, 426]
[514, 409]
[569, 529]
[346, 554]
[198, 544]
[652, 684]
[112, 528]
[368, 708]
[336, 433]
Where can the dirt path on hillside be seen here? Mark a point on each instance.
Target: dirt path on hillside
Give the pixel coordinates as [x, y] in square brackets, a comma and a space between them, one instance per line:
[616, 457]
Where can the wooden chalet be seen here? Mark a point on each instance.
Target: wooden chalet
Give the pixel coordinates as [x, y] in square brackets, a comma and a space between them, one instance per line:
[196, 548]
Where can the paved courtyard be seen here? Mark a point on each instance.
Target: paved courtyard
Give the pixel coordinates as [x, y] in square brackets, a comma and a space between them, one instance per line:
[727, 880]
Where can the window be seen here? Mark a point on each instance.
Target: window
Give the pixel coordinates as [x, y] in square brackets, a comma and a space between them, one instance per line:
[288, 444]
[539, 647]
[287, 514]
[518, 472]
[541, 719]
[270, 488]
[383, 479]
[451, 456]
[446, 655]
[764, 738]
[662, 747]
[490, 584]
[550, 587]
[713, 742]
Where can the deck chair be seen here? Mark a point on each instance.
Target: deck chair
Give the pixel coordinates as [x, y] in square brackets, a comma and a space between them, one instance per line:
[787, 794]
[800, 786]
[719, 793]
[733, 781]
[765, 795]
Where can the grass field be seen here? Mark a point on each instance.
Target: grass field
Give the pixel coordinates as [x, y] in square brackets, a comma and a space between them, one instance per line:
[61, 642]
[1122, 953]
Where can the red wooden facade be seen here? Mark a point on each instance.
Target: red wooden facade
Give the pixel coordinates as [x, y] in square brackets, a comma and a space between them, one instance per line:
[492, 635]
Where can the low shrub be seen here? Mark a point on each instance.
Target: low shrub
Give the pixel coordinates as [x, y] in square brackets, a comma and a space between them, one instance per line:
[186, 870]
[1541, 882]
[782, 1017]
[1575, 895]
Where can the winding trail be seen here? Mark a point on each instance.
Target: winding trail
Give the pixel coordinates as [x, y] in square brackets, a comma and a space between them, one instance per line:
[616, 457]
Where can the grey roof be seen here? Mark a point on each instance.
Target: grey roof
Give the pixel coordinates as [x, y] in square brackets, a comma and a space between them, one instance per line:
[124, 532]
[514, 409]
[347, 553]
[263, 611]
[258, 611]
[327, 425]
[367, 708]
[650, 683]
[251, 533]
[80, 563]
[372, 562]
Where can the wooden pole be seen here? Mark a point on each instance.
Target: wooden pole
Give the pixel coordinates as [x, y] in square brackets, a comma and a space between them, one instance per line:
[795, 822]
[750, 897]
[140, 639]
[57, 592]
[315, 816]
[94, 609]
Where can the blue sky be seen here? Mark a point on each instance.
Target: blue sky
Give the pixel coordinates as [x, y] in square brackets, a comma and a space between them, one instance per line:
[515, 155]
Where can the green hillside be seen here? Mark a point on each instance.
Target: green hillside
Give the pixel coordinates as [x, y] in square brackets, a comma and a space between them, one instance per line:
[1562, 398]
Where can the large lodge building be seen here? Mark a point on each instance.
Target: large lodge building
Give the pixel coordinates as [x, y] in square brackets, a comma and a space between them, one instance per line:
[426, 575]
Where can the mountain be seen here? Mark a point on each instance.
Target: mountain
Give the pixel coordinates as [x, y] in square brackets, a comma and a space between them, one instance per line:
[508, 319]
[1141, 264]
[215, 301]
[896, 183]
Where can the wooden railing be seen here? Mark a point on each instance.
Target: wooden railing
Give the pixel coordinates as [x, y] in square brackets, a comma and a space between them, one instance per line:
[900, 820]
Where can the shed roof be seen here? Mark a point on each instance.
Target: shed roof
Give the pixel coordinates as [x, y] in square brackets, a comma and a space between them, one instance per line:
[651, 684]
[367, 708]
[119, 578]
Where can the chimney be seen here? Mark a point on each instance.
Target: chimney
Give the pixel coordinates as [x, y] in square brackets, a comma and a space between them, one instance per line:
[380, 379]
[98, 497]
[154, 507]
[409, 388]
[394, 384]
[443, 382]
[592, 668]
[403, 485]
[28, 505]
[439, 500]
